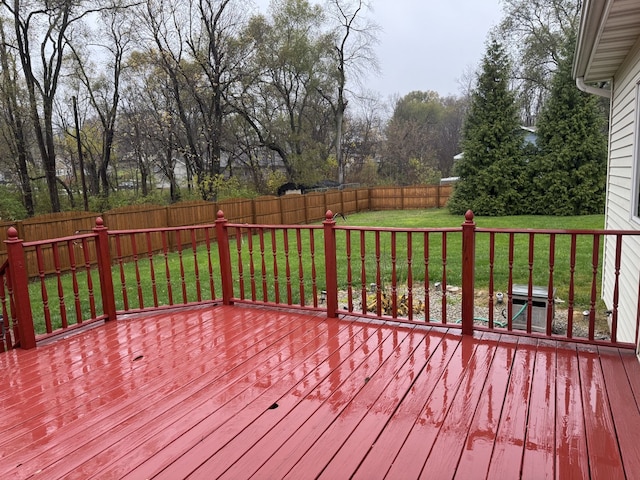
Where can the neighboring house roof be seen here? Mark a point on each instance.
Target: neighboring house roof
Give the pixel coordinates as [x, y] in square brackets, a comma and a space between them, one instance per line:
[448, 180]
[609, 31]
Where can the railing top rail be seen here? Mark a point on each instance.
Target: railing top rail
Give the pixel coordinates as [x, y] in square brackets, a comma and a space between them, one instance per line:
[162, 229]
[49, 241]
[543, 231]
[399, 230]
[274, 226]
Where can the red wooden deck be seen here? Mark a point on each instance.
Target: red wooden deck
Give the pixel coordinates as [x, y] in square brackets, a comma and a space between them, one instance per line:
[239, 392]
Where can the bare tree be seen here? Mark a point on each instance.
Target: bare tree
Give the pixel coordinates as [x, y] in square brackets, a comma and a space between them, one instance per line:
[354, 38]
[536, 31]
[103, 90]
[281, 98]
[196, 44]
[43, 30]
[14, 116]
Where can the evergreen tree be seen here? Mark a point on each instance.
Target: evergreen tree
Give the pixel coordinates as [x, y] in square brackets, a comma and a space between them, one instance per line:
[491, 170]
[569, 172]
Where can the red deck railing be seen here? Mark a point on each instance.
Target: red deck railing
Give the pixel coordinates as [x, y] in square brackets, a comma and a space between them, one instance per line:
[443, 276]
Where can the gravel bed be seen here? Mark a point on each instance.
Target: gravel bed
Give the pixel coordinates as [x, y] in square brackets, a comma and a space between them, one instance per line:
[481, 313]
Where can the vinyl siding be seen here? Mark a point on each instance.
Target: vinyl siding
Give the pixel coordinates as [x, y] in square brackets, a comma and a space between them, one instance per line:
[620, 179]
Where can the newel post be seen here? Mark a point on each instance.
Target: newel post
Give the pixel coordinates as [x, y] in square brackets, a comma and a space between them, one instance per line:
[330, 266]
[222, 235]
[20, 284]
[104, 269]
[468, 272]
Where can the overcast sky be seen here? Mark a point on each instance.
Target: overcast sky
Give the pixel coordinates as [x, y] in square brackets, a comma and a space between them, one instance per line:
[428, 44]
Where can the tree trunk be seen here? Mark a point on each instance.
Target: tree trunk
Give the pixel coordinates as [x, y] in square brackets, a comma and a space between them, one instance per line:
[339, 154]
[49, 159]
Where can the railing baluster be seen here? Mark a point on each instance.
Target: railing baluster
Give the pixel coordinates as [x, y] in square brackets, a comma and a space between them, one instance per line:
[87, 267]
[378, 276]
[134, 249]
[349, 272]
[492, 260]
[285, 236]
[394, 277]
[314, 283]
[427, 294]
[152, 272]
[530, 284]
[300, 269]
[123, 278]
[74, 280]
[167, 269]
[196, 269]
[183, 282]
[43, 290]
[572, 276]
[240, 262]
[443, 287]
[212, 287]
[409, 276]
[616, 290]
[274, 251]
[252, 268]
[63, 308]
[263, 266]
[550, 286]
[595, 260]
[363, 271]
[510, 283]
[6, 342]
[12, 304]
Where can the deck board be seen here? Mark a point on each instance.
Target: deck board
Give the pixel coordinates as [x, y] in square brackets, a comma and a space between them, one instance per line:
[374, 384]
[539, 451]
[619, 391]
[481, 436]
[604, 455]
[187, 394]
[572, 460]
[374, 450]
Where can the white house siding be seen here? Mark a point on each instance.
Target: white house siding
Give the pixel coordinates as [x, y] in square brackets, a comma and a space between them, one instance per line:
[620, 178]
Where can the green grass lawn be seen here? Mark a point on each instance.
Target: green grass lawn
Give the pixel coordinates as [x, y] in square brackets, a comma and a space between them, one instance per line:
[583, 271]
[298, 257]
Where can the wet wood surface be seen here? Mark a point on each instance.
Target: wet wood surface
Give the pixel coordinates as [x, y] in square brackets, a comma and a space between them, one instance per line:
[243, 392]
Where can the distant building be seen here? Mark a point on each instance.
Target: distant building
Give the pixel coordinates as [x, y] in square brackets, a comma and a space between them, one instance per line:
[530, 138]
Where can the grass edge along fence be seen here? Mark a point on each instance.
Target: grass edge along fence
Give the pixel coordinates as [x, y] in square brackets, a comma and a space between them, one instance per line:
[293, 209]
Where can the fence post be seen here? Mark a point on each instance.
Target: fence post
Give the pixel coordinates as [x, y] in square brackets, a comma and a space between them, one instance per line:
[222, 236]
[468, 272]
[104, 269]
[20, 284]
[330, 266]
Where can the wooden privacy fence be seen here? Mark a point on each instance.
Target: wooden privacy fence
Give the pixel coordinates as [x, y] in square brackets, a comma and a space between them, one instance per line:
[286, 210]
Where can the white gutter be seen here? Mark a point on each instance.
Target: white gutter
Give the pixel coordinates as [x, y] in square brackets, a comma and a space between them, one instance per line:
[602, 92]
